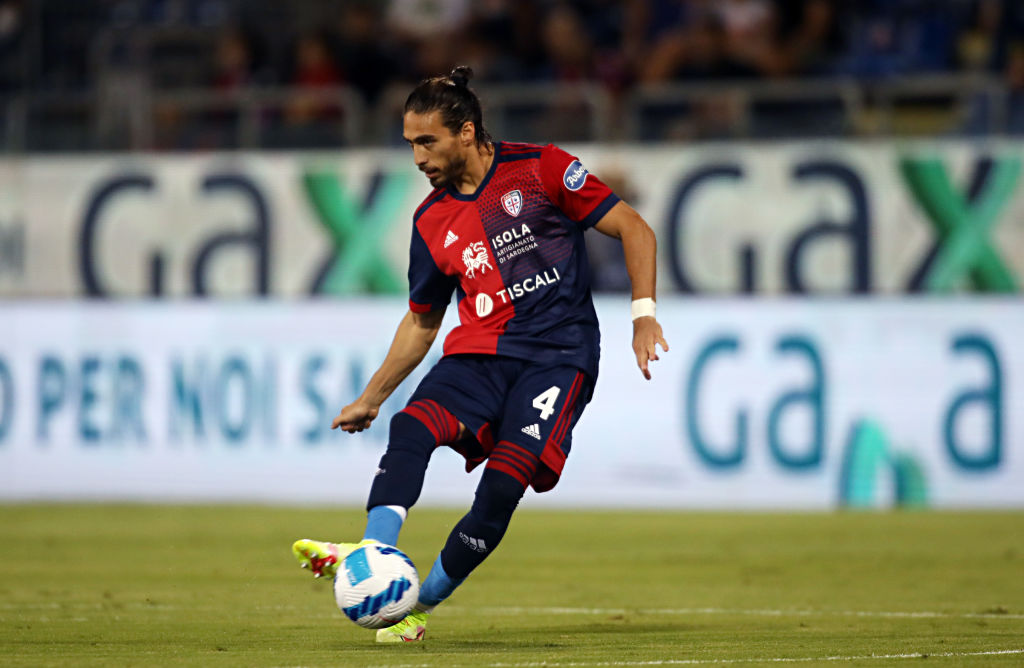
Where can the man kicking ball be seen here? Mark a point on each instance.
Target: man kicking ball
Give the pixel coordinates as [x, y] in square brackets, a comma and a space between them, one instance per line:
[503, 228]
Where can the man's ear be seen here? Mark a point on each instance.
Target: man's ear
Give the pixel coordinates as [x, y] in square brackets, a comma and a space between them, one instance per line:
[468, 134]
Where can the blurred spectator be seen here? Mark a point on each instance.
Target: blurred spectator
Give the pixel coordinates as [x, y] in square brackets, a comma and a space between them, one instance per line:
[314, 70]
[502, 41]
[746, 32]
[366, 56]
[434, 31]
[234, 62]
[427, 19]
[569, 52]
[1015, 82]
[490, 64]
[985, 109]
[808, 38]
[698, 47]
[195, 13]
[570, 58]
[311, 117]
[646, 22]
[991, 29]
[899, 37]
[13, 57]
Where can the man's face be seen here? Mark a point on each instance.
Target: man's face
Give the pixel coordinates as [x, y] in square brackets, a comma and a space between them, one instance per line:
[437, 152]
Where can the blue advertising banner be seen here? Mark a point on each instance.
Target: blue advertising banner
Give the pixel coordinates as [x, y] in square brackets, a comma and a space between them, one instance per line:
[758, 404]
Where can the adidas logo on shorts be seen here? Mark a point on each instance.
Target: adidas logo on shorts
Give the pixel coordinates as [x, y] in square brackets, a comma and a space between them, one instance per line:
[450, 239]
[532, 430]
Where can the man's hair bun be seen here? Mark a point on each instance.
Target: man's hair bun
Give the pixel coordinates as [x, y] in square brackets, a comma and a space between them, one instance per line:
[461, 75]
[456, 101]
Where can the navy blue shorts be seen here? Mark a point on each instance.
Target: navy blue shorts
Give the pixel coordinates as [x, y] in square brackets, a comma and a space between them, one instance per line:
[534, 406]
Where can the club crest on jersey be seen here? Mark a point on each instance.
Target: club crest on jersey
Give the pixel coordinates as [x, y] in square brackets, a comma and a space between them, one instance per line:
[474, 256]
[575, 176]
[512, 202]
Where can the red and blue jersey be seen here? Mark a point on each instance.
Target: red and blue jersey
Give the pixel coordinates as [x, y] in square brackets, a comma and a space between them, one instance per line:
[513, 252]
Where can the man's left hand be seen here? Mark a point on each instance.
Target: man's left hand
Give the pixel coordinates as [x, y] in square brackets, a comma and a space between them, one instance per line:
[646, 337]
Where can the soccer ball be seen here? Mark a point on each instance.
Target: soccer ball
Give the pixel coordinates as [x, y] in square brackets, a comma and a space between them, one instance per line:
[376, 586]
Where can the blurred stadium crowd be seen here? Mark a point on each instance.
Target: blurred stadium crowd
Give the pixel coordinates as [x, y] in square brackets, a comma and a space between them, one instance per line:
[153, 51]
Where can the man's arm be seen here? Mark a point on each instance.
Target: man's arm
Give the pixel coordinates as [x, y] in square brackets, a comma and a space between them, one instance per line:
[413, 339]
[640, 248]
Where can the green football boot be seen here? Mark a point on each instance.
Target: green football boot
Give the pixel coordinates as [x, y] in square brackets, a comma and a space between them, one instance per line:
[322, 558]
[410, 629]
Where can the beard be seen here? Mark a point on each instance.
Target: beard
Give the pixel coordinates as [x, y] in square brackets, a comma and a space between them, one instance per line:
[450, 174]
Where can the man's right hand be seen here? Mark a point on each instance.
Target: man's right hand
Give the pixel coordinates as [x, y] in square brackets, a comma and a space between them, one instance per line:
[357, 416]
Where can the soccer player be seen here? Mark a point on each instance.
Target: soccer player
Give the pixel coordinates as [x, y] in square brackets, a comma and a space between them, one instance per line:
[503, 229]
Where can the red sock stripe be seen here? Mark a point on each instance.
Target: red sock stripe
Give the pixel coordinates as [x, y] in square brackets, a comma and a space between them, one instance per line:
[507, 462]
[435, 419]
[449, 423]
[417, 412]
[528, 467]
[509, 457]
[518, 453]
[495, 465]
[565, 417]
[442, 425]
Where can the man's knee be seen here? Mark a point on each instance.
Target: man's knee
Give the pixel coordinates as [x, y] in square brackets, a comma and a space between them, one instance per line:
[497, 498]
[510, 468]
[422, 426]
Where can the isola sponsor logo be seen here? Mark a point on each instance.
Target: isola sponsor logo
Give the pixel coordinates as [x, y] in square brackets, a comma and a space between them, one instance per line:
[575, 176]
[508, 236]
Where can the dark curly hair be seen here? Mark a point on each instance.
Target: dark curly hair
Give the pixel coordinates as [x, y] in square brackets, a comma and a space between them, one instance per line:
[451, 96]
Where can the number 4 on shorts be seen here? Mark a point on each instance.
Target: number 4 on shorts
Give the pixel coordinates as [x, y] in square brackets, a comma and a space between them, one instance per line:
[545, 401]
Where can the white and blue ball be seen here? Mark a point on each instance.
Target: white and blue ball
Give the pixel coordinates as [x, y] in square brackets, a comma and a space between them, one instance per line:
[376, 586]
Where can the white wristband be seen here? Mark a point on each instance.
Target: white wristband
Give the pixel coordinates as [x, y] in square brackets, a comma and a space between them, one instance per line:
[641, 308]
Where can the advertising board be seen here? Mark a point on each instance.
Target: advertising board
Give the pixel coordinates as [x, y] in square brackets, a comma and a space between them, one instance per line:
[789, 403]
[828, 218]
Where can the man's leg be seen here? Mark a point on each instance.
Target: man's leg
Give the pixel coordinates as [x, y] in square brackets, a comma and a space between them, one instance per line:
[415, 433]
[509, 470]
[537, 416]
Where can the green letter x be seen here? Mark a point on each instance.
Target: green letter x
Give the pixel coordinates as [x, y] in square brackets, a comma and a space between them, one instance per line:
[963, 226]
[356, 232]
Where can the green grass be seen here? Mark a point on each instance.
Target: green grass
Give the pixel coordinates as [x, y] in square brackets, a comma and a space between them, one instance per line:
[116, 585]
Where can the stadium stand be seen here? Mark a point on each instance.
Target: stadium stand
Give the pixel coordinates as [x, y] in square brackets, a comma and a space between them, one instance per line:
[84, 75]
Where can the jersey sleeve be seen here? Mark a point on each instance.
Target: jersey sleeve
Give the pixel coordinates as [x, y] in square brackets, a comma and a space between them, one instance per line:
[580, 195]
[430, 289]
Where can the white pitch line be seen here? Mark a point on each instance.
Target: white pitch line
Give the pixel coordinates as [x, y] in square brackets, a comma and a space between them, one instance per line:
[719, 662]
[733, 611]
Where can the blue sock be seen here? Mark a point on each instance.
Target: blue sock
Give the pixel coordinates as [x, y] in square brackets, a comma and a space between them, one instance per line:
[383, 523]
[438, 586]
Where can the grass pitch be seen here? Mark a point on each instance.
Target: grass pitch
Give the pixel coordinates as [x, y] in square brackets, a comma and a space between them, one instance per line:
[84, 585]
